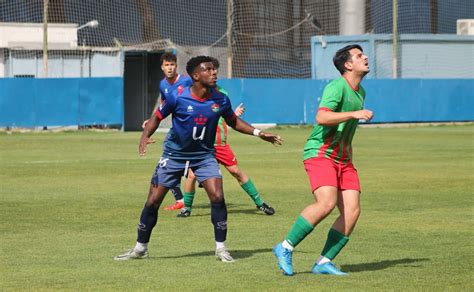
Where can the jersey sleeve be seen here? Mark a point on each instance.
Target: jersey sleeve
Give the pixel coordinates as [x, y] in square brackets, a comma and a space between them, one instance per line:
[167, 106]
[332, 96]
[228, 112]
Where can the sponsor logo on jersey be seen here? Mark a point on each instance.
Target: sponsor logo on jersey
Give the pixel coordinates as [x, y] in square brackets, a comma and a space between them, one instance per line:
[190, 109]
[215, 107]
[200, 120]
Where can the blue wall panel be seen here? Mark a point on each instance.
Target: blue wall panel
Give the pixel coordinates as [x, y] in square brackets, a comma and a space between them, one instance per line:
[420, 100]
[56, 101]
[88, 101]
[290, 101]
[32, 102]
[100, 102]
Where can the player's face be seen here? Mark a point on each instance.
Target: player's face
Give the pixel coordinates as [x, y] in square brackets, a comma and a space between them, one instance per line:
[359, 62]
[169, 68]
[207, 73]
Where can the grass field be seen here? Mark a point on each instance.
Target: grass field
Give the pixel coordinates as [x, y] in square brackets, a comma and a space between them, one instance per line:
[69, 202]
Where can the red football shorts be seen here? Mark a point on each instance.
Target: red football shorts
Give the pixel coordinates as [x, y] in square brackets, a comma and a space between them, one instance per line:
[326, 172]
[225, 156]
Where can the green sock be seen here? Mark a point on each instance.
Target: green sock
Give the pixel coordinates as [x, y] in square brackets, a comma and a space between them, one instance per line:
[334, 244]
[299, 231]
[250, 189]
[188, 200]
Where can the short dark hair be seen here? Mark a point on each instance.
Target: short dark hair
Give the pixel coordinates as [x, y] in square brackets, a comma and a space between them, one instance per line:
[170, 57]
[196, 61]
[342, 56]
[216, 62]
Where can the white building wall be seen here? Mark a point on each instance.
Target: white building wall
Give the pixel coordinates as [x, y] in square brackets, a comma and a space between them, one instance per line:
[2, 63]
[30, 35]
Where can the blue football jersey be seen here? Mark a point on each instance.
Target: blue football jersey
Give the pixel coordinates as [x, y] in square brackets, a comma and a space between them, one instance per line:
[166, 88]
[194, 123]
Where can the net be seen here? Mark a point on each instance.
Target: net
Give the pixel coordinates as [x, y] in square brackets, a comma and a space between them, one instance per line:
[252, 39]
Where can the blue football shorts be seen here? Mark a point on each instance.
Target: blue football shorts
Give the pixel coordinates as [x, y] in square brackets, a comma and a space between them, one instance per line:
[168, 172]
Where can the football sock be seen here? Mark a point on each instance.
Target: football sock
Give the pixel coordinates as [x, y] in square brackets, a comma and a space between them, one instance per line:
[250, 189]
[188, 200]
[322, 260]
[287, 245]
[299, 231]
[178, 195]
[140, 247]
[147, 222]
[334, 244]
[219, 245]
[219, 220]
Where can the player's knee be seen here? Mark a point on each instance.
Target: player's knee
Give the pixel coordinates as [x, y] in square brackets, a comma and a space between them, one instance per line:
[355, 213]
[216, 197]
[327, 206]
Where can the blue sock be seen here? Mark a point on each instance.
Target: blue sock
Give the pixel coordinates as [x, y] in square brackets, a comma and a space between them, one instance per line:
[148, 220]
[178, 195]
[219, 220]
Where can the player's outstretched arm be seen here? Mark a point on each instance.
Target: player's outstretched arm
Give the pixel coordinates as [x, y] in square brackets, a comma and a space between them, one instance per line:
[150, 140]
[330, 118]
[243, 127]
[149, 129]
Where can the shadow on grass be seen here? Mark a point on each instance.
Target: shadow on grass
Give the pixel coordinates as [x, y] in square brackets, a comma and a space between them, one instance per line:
[375, 266]
[236, 254]
[230, 210]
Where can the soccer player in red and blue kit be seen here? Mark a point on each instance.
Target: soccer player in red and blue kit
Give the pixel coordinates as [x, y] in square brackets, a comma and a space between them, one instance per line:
[170, 83]
[190, 145]
[328, 163]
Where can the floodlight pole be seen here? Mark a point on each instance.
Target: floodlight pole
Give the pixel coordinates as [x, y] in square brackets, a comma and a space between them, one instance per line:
[395, 39]
[230, 12]
[45, 38]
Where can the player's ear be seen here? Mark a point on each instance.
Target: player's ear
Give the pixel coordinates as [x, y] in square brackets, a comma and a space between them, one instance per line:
[348, 65]
[195, 75]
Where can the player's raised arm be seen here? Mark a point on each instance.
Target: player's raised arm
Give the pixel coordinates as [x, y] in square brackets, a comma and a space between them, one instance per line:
[243, 127]
[148, 130]
[326, 117]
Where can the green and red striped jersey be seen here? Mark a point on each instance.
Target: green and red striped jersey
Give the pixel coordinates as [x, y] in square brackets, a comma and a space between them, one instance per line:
[335, 142]
[221, 133]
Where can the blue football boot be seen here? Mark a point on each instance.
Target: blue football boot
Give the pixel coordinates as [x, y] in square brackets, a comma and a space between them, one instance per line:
[284, 257]
[327, 269]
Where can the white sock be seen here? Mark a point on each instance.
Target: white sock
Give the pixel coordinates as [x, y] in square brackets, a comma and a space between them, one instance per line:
[322, 260]
[219, 245]
[140, 247]
[182, 201]
[287, 245]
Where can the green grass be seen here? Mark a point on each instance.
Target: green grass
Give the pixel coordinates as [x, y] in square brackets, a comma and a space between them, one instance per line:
[69, 202]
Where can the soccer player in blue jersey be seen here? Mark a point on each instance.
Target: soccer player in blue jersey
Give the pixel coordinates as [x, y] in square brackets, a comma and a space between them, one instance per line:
[190, 145]
[170, 83]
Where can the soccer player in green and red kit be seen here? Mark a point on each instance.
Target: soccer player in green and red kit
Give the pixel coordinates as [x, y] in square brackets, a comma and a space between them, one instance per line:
[327, 160]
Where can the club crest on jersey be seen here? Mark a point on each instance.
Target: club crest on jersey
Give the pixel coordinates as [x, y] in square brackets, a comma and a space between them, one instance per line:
[190, 109]
[215, 107]
[200, 121]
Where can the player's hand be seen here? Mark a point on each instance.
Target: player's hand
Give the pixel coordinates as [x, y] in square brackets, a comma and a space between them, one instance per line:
[144, 124]
[364, 114]
[240, 110]
[144, 141]
[272, 138]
